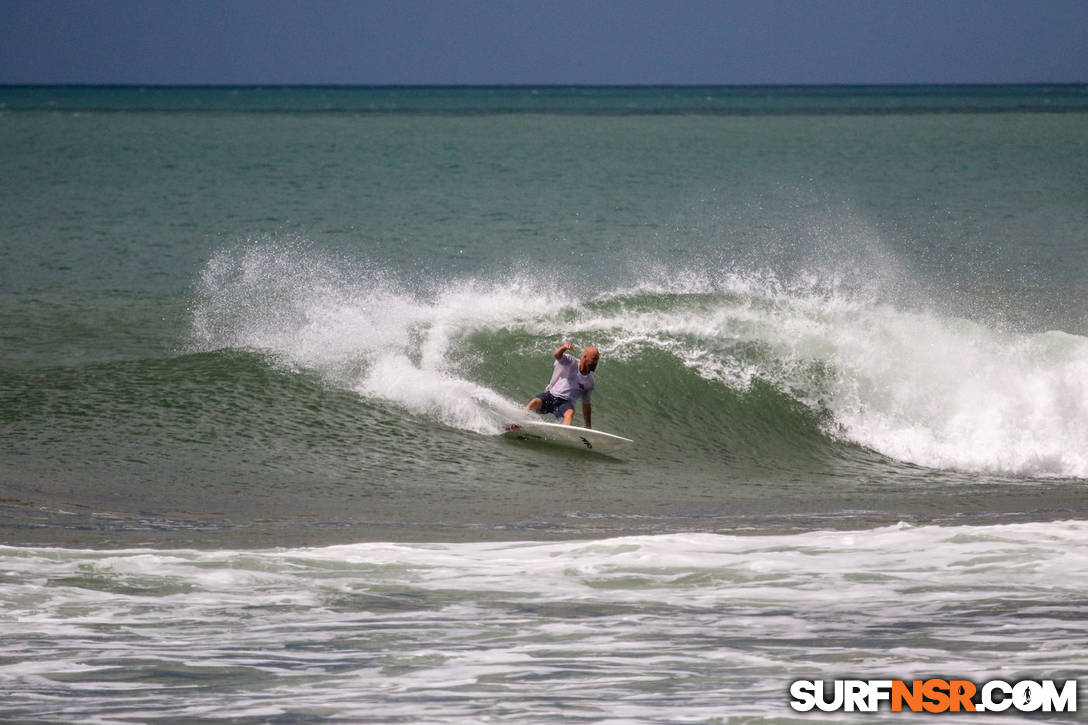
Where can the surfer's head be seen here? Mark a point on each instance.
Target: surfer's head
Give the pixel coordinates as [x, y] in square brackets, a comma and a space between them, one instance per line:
[590, 357]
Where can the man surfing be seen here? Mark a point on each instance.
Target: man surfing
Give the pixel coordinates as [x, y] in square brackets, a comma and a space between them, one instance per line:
[572, 379]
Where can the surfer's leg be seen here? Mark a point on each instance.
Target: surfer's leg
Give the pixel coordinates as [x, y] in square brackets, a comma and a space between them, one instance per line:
[565, 412]
[543, 403]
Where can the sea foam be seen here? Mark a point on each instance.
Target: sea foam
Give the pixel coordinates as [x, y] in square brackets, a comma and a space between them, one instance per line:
[916, 385]
[543, 631]
[360, 329]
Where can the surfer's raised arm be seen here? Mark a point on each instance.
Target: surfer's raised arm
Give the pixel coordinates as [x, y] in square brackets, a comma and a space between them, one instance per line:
[559, 351]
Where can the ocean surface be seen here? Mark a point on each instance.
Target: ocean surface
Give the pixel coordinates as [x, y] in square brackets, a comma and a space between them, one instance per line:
[258, 347]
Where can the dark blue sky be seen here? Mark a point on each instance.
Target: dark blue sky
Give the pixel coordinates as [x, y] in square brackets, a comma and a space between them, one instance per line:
[543, 41]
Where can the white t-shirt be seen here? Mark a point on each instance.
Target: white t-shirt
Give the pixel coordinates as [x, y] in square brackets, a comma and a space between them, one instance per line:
[568, 381]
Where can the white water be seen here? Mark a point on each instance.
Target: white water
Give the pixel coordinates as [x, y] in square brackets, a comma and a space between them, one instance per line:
[677, 628]
[918, 386]
[359, 329]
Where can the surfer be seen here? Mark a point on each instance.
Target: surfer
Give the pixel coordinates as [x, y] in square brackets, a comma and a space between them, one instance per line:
[572, 379]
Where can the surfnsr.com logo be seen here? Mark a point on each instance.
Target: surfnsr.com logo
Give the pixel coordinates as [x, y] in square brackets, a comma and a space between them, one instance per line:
[934, 695]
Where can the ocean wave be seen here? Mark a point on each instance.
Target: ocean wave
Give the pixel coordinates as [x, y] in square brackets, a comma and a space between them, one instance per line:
[915, 385]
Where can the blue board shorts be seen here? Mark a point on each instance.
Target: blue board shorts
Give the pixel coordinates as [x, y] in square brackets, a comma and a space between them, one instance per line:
[553, 404]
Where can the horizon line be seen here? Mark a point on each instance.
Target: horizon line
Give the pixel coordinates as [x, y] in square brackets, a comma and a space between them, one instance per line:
[515, 86]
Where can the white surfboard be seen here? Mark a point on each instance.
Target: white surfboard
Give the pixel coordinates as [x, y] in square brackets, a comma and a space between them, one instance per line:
[568, 435]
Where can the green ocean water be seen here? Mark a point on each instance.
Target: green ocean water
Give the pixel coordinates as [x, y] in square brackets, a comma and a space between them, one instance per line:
[258, 347]
[320, 320]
